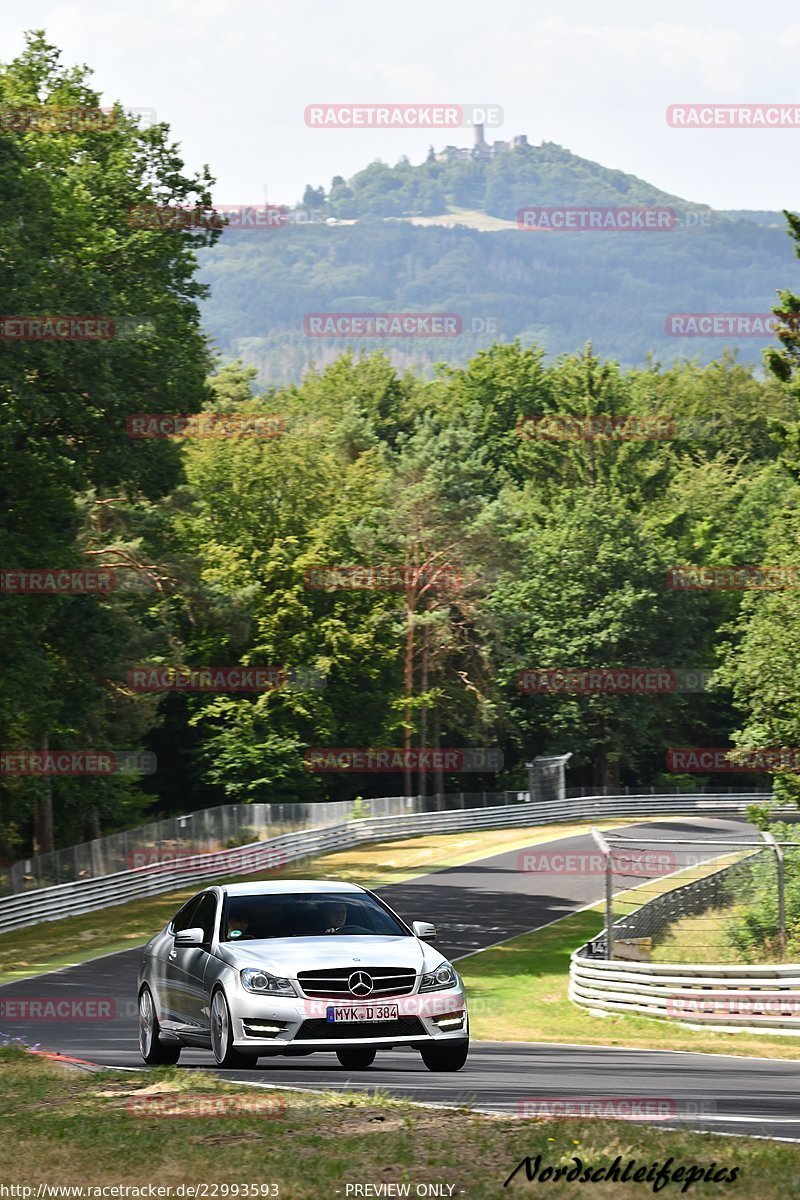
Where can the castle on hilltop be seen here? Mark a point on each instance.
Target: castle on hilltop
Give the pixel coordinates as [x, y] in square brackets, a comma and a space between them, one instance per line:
[480, 148]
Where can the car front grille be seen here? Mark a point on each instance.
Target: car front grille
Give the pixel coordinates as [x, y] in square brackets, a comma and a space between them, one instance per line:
[329, 1031]
[332, 982]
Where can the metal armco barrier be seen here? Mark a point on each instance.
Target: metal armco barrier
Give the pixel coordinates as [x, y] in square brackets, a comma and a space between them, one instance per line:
[714, 995]
[717, 996]
[89, 895]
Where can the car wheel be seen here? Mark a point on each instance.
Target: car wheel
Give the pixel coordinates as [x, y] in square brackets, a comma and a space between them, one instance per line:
[222, 1035]
[450, 1056]
[355, 1059]
[153, 1050]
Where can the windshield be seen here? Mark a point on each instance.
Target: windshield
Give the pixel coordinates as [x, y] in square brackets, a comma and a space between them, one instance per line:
[253, 918]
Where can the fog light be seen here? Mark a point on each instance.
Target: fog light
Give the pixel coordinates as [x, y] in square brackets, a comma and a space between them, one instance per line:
[449, 1019]
[262, 1028]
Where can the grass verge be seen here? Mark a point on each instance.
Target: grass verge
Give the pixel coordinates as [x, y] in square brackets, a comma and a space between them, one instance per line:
[71, 1128]
[518, 992]
[55, 944]
[701, 939]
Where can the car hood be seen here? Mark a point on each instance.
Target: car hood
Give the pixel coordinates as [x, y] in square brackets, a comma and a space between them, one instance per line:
[287, 956]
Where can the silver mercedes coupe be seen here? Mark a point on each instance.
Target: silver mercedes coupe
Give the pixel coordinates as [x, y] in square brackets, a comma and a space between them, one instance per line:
[292, 967]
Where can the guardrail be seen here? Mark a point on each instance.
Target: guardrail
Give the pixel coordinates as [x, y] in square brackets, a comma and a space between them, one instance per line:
[202, 832]
[88, 895]
[729, 996]
[713, 995]
[229, 825]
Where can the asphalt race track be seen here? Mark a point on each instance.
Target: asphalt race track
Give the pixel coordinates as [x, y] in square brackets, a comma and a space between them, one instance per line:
[473, 906]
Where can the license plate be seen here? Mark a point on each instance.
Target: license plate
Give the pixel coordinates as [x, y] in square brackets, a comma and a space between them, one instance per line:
[364, 1012]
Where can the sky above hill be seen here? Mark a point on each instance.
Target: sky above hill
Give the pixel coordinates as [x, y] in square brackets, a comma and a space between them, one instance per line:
[234, 77]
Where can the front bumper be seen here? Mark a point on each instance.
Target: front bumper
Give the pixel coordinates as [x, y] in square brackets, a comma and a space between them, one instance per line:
[273, 1024]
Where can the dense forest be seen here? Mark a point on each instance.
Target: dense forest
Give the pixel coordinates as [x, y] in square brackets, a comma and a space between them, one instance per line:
[555, 290]
[516, 552]
[545, 288]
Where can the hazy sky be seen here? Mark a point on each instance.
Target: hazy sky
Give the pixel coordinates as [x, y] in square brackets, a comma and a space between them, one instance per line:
[233, 77]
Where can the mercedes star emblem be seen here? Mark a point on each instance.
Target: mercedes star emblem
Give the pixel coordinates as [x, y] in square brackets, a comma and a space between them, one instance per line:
[360, 983]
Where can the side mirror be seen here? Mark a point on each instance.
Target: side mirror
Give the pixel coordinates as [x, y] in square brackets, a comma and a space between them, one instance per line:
[190, 937]
[424, 931]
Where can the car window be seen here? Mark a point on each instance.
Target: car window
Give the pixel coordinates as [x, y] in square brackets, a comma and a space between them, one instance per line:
[282, 915]
[184, 918]
[205, 915]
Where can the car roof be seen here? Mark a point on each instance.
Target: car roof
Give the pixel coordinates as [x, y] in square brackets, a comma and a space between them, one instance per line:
[277, 887]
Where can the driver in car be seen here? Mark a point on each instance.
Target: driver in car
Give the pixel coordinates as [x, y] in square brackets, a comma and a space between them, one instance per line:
[237, 928]
[334, 917]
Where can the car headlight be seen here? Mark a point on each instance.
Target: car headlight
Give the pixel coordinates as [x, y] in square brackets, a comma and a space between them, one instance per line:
[443, 977]
[255, 980]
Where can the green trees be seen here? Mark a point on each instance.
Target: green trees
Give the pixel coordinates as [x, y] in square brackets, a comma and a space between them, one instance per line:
[515, 553]
[262, 515]
[550, 289]
[590, 593]
[554, 555]
[760, 661]
[500, 185]
[515, 549]
[371, 484]
[74, 488]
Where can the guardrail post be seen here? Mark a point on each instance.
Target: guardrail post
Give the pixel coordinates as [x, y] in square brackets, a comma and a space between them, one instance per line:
[770, 840]
[606, 850]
